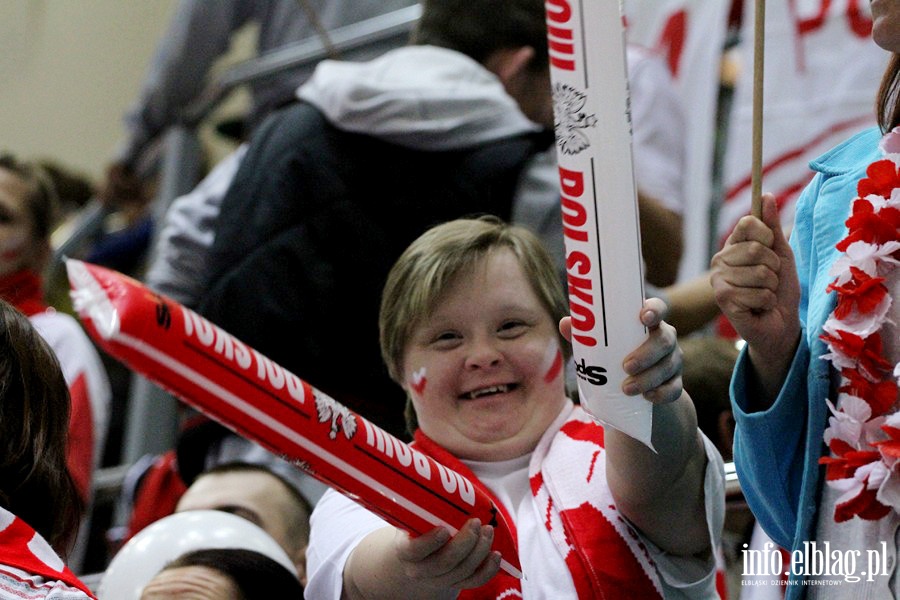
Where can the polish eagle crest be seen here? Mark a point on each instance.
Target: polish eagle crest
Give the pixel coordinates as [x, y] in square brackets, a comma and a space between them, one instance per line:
[571, 120]
[341, 417]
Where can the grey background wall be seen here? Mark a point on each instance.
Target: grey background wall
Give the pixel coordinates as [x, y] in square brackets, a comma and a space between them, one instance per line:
[70, 68]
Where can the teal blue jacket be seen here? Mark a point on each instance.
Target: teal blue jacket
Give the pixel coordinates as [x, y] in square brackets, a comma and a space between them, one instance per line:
[777, 451]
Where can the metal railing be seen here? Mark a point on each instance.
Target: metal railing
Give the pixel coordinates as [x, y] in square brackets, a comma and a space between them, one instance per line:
[150, 423]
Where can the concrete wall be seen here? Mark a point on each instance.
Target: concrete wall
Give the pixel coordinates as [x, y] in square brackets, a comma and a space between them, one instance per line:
[68, 71]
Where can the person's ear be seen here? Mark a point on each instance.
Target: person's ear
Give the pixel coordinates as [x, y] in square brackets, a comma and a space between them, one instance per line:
[508, 63]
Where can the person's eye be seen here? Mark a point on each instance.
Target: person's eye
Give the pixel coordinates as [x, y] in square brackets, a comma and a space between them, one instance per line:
[446, 339]
[512, 328]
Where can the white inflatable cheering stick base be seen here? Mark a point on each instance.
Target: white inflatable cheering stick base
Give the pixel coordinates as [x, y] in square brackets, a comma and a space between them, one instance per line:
[599, 206]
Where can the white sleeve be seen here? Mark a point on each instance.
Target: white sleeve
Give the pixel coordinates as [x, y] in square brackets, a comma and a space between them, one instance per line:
[684, 578]
[337, 526]
[178, 267]
[658, 129]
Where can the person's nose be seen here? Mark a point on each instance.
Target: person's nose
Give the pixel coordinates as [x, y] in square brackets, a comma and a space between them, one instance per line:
[483, 353]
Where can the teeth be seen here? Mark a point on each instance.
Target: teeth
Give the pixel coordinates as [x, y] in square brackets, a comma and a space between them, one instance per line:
[495, 389]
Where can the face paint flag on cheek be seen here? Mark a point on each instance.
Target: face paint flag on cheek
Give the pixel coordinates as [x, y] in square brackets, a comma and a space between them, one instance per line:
[417, 382]
[553, 362]
[255, 397]
[599, 205]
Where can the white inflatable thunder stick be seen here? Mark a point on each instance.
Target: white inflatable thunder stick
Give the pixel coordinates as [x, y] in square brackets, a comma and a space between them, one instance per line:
[599, 205]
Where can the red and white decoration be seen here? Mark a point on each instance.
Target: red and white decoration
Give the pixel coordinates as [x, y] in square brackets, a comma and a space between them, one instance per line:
[864, 431]
[22, 548]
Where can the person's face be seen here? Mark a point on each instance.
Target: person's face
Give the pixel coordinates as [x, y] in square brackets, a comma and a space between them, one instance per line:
[191, 583]
[484, 371]
[257, 496]
[18, 246]
[886, 24]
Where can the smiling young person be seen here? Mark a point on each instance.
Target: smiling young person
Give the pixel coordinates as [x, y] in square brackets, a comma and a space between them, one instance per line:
[472, 322]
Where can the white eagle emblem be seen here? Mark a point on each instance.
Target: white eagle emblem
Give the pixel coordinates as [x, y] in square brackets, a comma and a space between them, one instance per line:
[340, 416]
[570, 120]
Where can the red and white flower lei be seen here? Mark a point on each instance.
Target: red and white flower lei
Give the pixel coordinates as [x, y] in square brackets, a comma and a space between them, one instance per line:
[864, 433]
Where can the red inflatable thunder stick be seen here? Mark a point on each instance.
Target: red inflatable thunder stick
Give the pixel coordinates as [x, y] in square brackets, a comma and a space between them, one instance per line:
[258, 399]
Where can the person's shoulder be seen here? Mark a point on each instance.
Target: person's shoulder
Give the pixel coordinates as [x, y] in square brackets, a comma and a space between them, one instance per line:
[64, 334]
[54, 324]
[860, 148]
[16, 583]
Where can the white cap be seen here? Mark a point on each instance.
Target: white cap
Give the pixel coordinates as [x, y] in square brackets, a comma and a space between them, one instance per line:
[155, 546]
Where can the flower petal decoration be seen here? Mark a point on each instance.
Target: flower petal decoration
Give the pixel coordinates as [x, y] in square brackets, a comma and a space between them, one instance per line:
[868, 225]
[883, 177]
[849, 424]
[889, 492]
[857, 501]
[861, 298]
[863, 433]
[880, 395]
[867, 258]
[890, 142]
[857, 352]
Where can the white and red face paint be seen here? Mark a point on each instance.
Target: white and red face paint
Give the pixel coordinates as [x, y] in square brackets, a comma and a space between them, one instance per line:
[552, 365]
[417, 382]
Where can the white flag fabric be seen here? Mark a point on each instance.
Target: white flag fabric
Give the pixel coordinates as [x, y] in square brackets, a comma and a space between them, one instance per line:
[822, 71]
[690, 35]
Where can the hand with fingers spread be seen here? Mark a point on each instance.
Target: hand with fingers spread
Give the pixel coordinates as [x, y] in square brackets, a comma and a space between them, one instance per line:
[756, 286]
[442, 562]
[433, 565]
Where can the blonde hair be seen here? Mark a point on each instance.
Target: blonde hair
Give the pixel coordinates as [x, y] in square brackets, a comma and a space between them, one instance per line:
[432, 263]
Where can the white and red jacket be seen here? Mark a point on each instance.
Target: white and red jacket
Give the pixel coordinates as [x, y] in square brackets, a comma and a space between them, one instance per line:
[82, 368]
[29, 568]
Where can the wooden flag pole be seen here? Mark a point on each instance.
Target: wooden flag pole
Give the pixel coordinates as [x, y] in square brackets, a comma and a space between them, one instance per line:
[758, 63]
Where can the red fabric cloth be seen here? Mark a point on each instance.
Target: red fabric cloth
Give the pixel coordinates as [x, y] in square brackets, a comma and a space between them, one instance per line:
[157, 495]
[602, 565]
[25, 291]
[23, 548]
[80, 453]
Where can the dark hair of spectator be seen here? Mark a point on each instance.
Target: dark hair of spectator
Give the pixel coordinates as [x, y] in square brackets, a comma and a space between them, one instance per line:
[35, 484]
[477, 28]
[257, 576]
